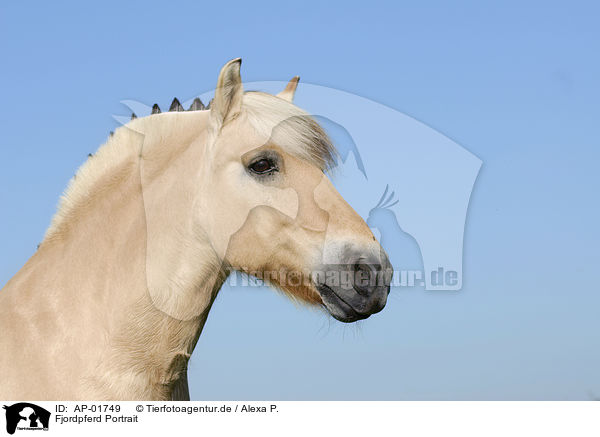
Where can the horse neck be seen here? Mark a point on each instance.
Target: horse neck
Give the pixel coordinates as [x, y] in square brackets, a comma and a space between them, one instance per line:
[116, 262]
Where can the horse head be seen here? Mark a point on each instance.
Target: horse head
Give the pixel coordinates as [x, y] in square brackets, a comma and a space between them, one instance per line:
[274, 213]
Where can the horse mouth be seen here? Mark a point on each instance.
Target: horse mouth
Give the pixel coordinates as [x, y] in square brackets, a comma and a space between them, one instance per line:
[337, 307]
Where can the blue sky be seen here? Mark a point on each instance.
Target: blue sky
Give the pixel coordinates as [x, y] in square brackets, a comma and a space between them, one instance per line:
[515, 83]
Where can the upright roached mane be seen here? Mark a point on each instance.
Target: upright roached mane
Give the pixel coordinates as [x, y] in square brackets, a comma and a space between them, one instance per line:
[113, 302]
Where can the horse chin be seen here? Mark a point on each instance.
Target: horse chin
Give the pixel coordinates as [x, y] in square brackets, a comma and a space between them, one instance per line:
[337, 307]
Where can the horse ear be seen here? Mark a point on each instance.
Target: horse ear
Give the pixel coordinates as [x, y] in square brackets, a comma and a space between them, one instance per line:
[228, 95]
[290, 89]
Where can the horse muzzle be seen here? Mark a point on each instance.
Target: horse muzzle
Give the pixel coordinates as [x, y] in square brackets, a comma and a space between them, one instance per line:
[355, 289]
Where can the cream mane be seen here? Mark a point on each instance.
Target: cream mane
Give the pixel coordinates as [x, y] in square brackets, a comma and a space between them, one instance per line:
[121, 150]
[287, 125]
[290, 127]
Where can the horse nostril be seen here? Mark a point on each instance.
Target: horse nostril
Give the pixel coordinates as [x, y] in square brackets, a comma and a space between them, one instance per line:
[365, 276]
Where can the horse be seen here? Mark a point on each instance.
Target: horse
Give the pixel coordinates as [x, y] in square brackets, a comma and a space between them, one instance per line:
[111, 305]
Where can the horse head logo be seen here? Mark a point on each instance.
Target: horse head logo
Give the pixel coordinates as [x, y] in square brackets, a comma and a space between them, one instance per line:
[26, 416]
[432, 175]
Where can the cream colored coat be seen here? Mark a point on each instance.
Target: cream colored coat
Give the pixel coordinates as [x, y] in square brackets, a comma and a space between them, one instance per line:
[113, 302]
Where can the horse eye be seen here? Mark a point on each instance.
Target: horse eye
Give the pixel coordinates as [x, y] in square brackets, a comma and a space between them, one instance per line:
[262, 166]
